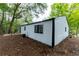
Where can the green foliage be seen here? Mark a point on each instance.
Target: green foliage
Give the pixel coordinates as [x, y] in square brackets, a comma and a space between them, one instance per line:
[59, 9]
[18, 13]
[71, 11]
[3, 6]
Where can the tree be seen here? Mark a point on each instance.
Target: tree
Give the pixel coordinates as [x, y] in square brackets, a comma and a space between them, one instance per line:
[25, 11]
[3, 7]
[59, 9]
[71, 11]
[74, 18]
[13, 17]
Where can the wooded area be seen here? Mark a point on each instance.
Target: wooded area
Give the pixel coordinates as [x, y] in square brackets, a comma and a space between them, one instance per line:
[71, 11]
[13, 15]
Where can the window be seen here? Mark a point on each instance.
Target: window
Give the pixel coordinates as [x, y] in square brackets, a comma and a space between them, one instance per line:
[65, 29]
[24, 28]
[38, 29]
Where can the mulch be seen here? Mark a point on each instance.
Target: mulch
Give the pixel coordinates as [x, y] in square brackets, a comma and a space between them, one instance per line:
[16, 45]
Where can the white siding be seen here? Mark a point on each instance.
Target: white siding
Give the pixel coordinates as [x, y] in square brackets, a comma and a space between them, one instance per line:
[22, 30]
[46, 37]
[60, 34]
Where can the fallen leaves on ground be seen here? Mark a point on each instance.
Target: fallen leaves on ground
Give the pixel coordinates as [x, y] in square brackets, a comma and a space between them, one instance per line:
[16, 45]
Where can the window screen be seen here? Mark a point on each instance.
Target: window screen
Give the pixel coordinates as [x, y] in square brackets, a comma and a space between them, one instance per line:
[38, 29]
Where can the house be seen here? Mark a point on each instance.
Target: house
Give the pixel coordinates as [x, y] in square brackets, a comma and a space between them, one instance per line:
[50, 32]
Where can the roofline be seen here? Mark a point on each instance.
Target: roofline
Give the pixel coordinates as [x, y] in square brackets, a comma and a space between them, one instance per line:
[39, 21]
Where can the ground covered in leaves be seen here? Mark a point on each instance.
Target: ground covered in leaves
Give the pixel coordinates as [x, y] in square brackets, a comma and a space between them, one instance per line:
[16, 45]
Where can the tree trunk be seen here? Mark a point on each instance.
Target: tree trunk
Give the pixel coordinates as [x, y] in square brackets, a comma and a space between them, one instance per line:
[1, 24]
[11, 24]
[77, 29]
[2, 18]
[69, 24]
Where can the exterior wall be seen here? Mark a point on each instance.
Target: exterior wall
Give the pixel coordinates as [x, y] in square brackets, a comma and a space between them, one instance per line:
[46, 37]
[22, 30]
[60, 33]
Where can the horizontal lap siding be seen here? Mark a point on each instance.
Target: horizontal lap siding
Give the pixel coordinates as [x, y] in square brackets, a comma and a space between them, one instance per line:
[46, 37]
[53, 31]
[60, 34]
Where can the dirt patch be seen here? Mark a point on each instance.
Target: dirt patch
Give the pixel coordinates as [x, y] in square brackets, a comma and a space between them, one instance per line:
[16, 45]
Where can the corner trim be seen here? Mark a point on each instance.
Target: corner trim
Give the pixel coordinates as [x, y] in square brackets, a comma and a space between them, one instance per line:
[53, 32]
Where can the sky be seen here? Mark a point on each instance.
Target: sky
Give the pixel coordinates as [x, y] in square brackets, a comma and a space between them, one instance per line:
[45, 15]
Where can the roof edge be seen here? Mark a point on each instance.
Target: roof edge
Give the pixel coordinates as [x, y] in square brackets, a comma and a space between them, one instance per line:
[38, 21]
